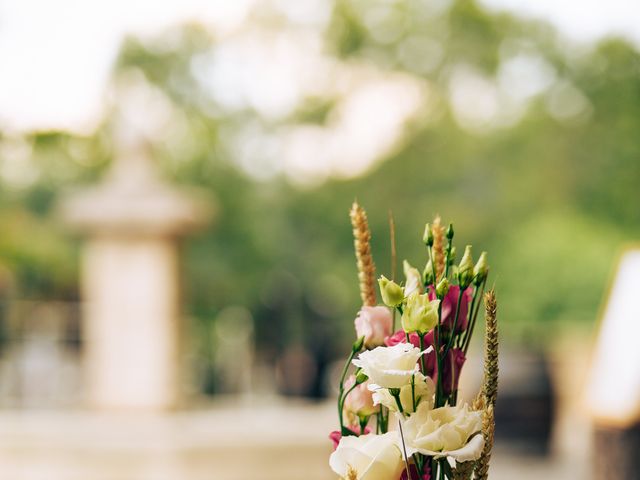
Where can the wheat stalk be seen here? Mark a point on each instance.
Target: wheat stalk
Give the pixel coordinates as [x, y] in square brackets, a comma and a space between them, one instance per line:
[486, 399]
[438, 246]
[488, 428]
[362, 244]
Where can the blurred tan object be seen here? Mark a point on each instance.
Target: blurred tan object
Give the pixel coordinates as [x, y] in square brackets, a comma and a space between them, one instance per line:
[130, 282]
[613, 390]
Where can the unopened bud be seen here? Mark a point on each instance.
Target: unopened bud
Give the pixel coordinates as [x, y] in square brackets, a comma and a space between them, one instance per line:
[361, 378]
[392, 293]
[357, 345]
[442, 288]
[427, 238]
[427, 274]
[481, 269]
[450, 231]
[465, 269]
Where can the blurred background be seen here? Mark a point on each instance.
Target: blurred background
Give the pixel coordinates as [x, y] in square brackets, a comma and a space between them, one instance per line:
[193, 162]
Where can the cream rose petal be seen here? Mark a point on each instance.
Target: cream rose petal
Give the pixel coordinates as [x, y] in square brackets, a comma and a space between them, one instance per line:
[373, 457]
[390, 367]
[470, 452]
[444, 432]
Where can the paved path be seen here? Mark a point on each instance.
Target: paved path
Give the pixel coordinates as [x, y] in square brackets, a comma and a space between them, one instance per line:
[278, 442]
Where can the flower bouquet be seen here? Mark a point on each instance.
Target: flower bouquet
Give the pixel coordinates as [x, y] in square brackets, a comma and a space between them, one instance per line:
[398, 411]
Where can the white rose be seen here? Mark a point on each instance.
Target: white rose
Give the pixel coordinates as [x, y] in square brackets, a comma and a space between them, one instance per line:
[371, 457]
[389, 367]
[422, 389]
[450, 432]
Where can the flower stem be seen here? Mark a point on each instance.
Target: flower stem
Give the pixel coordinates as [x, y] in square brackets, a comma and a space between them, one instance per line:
[345, 369]
[433, 266]
[467, 340]
[423, 366]
[455, 325]
[446, 265]
[395, 392]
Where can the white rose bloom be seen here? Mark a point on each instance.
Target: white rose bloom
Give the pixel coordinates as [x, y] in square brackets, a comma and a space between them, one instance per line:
[445, 432]
[423, 389]
[389, 367]
[372, 457]
[414, 279]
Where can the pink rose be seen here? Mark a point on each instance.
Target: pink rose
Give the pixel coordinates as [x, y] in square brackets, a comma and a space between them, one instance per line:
[360, 400]
[374, 324]
[335, 436]
[449, 304]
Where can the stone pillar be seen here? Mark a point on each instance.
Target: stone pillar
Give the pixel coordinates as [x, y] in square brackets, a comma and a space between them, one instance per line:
[130, 284]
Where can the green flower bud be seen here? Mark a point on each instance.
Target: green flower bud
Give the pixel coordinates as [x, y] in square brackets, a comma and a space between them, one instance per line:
[427, 237]
[361, 378]
[427, 274]
[392, 293]
[450, 232]
[481, 269]
[357, 345]
[442, 288]
[394, 391]
[420, 314]
[465, 269]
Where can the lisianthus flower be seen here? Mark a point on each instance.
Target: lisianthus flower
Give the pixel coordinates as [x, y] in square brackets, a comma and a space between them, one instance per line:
[374, 324]
[451, 432]
[335, 436]
[359, 402]
[431, 362]
[426, 472]
[371, 457]
[451, 369]
[421, 389]
[392, 293]
[389, 367]
[420, 313]
[449, 304]
[413, 279]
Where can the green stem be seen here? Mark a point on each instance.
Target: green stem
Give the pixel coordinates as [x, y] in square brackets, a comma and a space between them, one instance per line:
[396, 394]
[419, 463]
[341, 393]
[463, 337]
[446, 265]
[413, 391]
[433, 266]
[455, 324]
[423, 366]
[393, 324]
[436, 341]
[471, 327]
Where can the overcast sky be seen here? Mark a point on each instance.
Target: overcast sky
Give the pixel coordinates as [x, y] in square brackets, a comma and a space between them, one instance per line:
[56, 55]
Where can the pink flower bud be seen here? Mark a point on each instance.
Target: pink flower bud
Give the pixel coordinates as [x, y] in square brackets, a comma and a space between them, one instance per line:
[374, 324]
[360, 401]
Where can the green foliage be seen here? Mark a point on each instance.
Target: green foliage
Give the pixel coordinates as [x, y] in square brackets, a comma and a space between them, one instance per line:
[550, 198]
